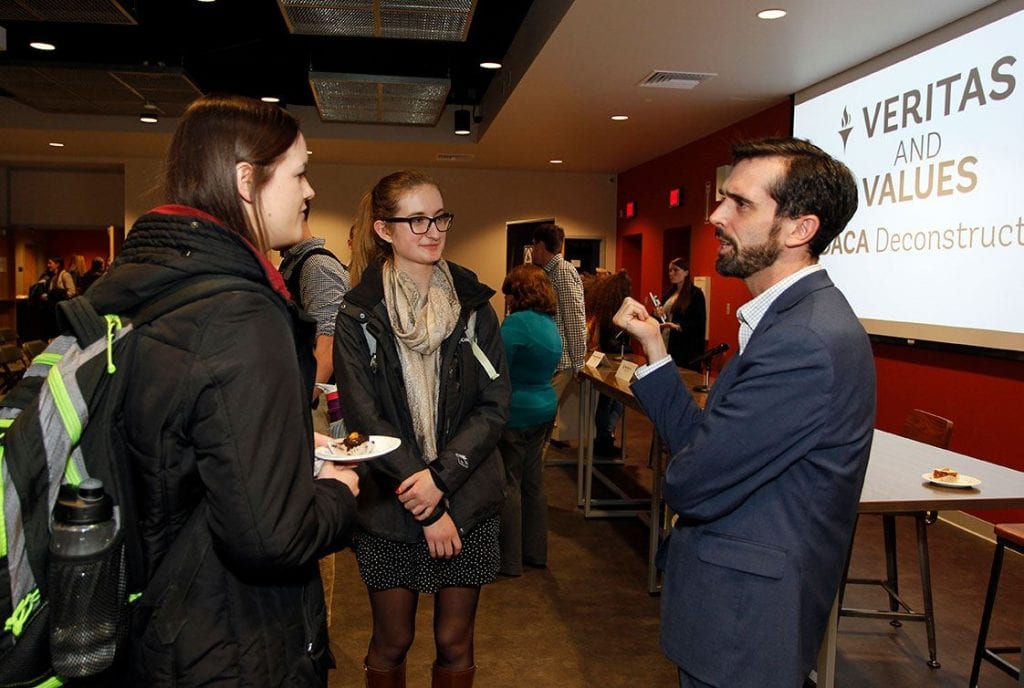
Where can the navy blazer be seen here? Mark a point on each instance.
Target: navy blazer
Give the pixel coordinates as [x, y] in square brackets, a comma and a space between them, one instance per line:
[766, 482]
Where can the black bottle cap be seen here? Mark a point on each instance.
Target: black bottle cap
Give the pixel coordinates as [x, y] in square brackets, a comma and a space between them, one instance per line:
[84, 505]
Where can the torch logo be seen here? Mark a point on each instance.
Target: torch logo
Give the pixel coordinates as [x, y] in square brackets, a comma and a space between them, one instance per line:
[845, 129]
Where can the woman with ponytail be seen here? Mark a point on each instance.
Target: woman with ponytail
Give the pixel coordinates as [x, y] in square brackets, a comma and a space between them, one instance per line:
[685, 315]
[418, 350]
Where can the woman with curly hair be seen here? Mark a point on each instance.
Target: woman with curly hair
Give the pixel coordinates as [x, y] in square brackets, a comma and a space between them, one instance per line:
[605, 296]
[533, 347]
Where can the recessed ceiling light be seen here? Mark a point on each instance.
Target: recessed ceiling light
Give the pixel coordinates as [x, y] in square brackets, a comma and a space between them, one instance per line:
[56, 144]
[40, 45]
[556, 161]
[148, 118]
[620, 118]
[270, 99]
[206, 0]
[309, 152]
[771, 14]
[491, 65]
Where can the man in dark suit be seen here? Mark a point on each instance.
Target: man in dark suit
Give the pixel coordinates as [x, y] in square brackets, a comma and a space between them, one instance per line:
[765, 481]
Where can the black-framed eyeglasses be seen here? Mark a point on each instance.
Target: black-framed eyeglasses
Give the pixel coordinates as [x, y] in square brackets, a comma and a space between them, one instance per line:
[420, 224]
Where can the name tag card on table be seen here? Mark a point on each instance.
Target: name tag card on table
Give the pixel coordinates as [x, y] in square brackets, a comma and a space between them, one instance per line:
[595, 360]
[625, 371]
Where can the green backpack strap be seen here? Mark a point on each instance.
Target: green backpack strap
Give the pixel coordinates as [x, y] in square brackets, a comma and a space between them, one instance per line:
[478, 353]
[78, 317]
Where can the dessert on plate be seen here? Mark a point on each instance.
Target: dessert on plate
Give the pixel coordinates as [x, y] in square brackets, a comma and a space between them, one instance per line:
[353, 444]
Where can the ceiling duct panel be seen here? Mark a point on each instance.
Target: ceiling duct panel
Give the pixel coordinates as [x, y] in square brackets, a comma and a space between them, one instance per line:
[663, 78]
[98, 91]
[378, 99]
[66, 11]
[425, 20]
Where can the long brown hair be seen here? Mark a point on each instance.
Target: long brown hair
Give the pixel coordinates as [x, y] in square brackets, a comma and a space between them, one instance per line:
[606, 296]
[529, 288]
[684, 292]
[380, 202]
[214, 135]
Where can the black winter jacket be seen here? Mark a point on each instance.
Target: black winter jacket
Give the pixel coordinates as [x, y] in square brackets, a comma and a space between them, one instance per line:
[217, 412]
[472, 409]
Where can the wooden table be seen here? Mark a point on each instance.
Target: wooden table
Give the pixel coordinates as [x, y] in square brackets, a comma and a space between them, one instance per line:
[893, 484]
[893, 481]
[602, 380]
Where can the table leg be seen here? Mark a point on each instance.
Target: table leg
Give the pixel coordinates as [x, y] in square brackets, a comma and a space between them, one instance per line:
[892, 577]
[826, 669]
[585, 454]
[587, 437]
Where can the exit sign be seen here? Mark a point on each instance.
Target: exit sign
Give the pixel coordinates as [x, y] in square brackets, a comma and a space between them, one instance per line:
[675, 197]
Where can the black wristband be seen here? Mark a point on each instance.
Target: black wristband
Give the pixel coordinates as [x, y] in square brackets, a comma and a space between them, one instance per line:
[435, 516]
[435, 474]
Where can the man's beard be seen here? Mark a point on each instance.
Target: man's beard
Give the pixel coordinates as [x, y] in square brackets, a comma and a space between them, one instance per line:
[752, 259]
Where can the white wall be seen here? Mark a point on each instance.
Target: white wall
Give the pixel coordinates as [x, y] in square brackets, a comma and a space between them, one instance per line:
[482, 200]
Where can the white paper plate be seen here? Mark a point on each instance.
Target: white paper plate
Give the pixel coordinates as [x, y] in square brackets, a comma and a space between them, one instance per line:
[959, 481]
[382, 444]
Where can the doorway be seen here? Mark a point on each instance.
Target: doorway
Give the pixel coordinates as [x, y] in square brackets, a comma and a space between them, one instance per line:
[675, 244]
[584, 254]
[519, 240]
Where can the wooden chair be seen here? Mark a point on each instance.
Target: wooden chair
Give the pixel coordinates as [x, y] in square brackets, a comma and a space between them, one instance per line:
[1008, 536]
[928, 428]
[8, 335]
[937, 431]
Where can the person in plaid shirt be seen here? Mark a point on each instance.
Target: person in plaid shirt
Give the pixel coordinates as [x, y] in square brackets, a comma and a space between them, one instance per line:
[572, 323]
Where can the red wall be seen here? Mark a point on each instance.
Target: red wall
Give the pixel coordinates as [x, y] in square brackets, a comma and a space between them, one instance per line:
[691, 167]
[89, 243]
[982, 396]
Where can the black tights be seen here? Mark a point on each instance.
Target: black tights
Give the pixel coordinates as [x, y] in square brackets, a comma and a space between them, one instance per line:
[394, 626]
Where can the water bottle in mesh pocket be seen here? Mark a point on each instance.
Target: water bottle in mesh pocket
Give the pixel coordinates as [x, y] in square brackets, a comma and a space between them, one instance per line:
[88, 616]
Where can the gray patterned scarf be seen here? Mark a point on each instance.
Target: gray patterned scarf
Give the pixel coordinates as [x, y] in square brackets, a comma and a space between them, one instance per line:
[421, 323]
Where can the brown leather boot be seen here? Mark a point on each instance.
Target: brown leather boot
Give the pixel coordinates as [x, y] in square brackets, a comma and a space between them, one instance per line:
[385, 678]
[449, 678]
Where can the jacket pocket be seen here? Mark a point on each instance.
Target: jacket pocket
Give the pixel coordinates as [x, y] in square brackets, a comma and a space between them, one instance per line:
[743, 555]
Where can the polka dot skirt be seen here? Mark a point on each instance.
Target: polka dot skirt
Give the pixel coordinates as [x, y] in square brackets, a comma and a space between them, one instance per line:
[388, 564]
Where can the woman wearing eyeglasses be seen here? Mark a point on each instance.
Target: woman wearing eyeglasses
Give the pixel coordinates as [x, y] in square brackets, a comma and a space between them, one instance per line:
[418, 353]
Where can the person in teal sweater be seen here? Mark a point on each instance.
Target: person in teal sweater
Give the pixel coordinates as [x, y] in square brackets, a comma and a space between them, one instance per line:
[533, 347]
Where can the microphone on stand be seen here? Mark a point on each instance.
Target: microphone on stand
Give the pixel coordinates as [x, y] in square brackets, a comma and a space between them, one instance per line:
[705, 360]
[710, 353]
